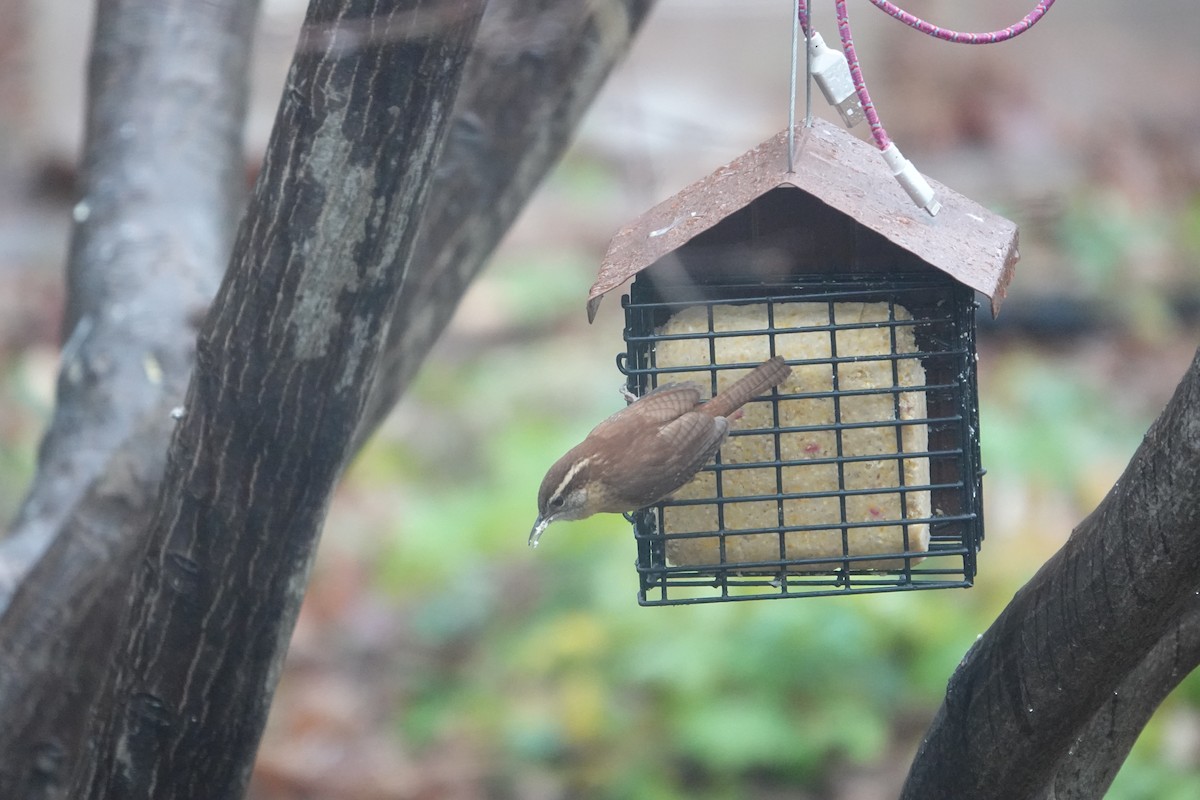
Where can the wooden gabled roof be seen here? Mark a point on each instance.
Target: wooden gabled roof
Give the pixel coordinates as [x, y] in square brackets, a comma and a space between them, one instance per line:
[965, 240]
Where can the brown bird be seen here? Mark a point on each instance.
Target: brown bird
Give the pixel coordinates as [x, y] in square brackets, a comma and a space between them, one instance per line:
[647, 450]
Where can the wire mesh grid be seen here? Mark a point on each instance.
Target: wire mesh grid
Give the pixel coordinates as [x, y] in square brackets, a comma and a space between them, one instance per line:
[859, 474]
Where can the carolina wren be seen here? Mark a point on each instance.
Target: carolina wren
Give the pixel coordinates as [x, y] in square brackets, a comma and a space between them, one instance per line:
[647, 450]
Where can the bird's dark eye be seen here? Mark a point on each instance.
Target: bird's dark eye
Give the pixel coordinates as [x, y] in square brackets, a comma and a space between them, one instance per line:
[556, 502]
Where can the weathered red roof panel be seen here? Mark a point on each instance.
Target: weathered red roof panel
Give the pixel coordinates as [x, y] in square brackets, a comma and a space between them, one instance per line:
[965, 240]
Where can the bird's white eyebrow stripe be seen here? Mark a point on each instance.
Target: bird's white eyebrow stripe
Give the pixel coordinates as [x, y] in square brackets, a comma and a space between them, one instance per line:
[578, 465]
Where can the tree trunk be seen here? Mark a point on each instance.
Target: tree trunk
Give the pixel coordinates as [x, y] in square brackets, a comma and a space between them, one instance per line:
[1093, 759]
[284, 362]
[536, 69]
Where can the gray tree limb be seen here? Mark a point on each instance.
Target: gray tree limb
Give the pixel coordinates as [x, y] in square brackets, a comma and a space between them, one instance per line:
[58, 631]
[1034, 684]
[162, 186]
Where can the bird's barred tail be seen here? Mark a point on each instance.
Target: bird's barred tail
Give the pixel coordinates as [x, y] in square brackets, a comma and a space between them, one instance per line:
[761, 379]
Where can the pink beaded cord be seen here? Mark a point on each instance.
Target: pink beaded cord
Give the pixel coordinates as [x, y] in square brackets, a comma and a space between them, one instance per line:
[860, 86]
[991, 37]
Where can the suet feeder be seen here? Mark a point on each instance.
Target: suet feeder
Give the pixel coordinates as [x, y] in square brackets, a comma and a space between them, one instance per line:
[861, 473]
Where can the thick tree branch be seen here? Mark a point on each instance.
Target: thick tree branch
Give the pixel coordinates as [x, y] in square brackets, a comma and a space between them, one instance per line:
[162, 184]
[1032, 685]
[284, 361]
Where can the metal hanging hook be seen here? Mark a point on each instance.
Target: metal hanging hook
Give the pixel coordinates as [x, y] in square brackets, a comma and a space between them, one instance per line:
[801, 11]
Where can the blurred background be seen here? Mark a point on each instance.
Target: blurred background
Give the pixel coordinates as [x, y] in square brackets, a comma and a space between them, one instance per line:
[439, 657]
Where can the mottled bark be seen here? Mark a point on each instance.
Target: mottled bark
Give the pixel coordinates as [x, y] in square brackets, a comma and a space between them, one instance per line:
[1110, 612]
[284, 361]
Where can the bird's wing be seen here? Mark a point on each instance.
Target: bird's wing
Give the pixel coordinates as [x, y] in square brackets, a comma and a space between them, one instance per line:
[672, 457]
[668, 388]
[692, 440]
[662, 405]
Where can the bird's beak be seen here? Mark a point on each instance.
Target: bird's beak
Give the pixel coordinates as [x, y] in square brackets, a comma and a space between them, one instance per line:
[538, 526]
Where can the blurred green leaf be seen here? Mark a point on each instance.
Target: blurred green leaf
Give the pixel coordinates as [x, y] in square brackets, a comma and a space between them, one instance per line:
[1051, 424]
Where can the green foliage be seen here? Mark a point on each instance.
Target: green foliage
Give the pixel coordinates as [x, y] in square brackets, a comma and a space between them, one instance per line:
[1098, 234]
[1189, 228]
[1146, 778]
[1049, 423]
[25, 389]
[539, 286]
